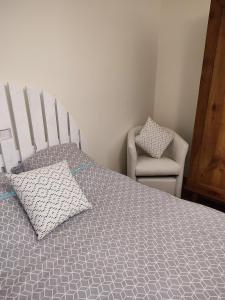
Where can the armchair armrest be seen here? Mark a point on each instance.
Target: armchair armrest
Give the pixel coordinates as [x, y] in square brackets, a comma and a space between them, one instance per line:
[179, 149]
[132, 152]
[178, 152]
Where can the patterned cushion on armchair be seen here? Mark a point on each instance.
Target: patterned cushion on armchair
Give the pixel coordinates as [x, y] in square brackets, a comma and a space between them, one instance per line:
[154, 139]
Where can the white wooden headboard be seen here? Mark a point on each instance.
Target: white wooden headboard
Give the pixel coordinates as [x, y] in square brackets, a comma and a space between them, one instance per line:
[31, 120]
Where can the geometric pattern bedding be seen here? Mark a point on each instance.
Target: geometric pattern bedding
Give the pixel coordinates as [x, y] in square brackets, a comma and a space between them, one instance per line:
[136, 243]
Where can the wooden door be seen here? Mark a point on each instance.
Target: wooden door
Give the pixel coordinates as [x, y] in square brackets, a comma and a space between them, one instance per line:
[207, 169]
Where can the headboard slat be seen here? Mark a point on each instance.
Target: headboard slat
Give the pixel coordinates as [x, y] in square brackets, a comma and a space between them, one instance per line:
[9, 157]
[74, 131]
[34, 101]
[63, 124]
[21, 120]
[50, 117]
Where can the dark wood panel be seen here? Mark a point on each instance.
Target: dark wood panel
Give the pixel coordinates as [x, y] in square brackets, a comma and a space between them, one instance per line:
[207, 166]
[203, 199]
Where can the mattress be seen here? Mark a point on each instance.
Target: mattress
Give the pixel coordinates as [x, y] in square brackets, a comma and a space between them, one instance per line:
[136, 243]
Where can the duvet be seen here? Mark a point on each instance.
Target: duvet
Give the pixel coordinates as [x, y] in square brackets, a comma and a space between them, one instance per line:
[136, 243]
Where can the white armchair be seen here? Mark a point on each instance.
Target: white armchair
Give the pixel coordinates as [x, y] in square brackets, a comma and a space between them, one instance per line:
[165, 173]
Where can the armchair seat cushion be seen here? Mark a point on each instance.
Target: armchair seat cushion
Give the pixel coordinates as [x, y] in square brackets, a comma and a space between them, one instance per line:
[149, 166]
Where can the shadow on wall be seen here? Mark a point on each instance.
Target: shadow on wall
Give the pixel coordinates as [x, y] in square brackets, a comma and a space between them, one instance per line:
[146, 81]
[190, 79]
[135, 110]
[123, 157]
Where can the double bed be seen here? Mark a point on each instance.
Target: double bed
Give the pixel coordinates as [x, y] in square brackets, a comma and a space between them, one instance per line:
[135, 243]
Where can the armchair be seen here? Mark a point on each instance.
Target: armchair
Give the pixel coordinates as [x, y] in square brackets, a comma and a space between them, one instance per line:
[165, 173]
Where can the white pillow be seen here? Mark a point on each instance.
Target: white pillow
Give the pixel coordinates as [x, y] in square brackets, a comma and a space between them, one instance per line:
[49, 195]
[154, 139]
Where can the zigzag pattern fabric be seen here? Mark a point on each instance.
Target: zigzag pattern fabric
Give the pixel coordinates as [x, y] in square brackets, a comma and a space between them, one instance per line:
[50, 196]
[154, 139]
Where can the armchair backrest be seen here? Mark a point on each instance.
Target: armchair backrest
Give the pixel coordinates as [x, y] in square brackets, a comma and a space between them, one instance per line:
[136, 131]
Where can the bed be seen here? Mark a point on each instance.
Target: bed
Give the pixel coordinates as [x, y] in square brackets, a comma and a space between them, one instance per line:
[135, 243]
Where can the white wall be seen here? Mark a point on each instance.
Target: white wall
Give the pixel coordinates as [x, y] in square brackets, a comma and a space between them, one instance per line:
[182, 33]
[98, 57]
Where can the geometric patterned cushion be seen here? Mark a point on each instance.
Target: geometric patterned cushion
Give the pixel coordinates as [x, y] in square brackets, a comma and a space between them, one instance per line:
[50, 196]
[154, 139]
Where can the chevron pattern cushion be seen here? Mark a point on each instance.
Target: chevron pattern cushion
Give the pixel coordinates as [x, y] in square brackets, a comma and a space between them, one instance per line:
[154, 139]
[50, 196]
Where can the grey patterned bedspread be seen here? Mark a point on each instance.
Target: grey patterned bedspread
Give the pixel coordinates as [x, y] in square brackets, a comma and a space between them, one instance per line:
[136, 243]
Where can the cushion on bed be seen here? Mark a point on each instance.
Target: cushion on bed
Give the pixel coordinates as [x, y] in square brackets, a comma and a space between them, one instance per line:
[154, 139]
[43, 158]
[50, 196]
